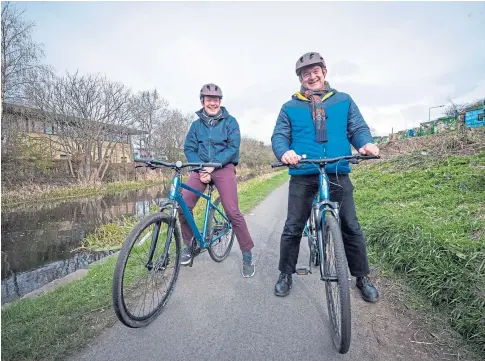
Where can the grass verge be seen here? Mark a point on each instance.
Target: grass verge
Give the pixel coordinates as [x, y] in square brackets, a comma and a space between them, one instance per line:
[58, 323]
[425, 218]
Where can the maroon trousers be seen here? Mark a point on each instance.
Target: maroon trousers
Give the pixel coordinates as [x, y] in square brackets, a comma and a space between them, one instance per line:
[225, 181]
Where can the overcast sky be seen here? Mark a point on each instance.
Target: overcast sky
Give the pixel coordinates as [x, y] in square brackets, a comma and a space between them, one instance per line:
[395, 59]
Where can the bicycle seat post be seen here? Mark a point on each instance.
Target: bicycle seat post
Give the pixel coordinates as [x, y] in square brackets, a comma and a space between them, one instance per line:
[211, 188]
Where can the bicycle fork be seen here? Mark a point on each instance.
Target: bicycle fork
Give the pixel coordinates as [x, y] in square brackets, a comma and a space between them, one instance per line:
[163, 260]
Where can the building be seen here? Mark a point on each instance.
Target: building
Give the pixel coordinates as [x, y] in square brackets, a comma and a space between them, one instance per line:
[474, 117]
[115, 142]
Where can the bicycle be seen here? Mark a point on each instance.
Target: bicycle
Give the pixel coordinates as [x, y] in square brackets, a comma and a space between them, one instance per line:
[154, 266]
[325, 238]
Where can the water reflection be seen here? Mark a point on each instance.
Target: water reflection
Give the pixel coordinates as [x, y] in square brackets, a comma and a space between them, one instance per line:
[37, 240]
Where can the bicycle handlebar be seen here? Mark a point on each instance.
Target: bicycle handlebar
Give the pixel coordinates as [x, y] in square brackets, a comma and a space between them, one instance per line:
[177, 165]
[322, 162]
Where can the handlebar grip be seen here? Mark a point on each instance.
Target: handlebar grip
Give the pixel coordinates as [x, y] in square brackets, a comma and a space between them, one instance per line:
[367, 157]
[277, 164]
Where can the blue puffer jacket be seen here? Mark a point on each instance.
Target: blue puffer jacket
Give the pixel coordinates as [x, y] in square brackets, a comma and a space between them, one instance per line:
[218, 143]
[295, 130]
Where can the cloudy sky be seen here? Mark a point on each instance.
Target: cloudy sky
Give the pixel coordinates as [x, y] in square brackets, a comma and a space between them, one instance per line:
[395, 59]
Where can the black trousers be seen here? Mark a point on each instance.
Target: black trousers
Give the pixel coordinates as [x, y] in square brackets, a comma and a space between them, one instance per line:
[302, 190]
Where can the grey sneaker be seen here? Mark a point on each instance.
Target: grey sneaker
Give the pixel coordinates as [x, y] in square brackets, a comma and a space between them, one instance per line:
[248, 269]
[186, 257]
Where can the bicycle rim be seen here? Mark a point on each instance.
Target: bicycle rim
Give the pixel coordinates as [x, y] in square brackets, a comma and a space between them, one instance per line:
[141, 288]
[219, 249]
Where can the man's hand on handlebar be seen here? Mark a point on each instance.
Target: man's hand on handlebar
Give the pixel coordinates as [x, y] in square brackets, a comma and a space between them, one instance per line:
[369, 149]
[290, 157]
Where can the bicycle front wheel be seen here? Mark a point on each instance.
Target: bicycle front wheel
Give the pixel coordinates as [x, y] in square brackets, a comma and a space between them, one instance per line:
[335, 275]
[146, 270]
[218, 227]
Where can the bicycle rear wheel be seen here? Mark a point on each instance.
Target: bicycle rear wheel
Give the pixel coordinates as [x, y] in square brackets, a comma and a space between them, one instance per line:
[146, 270]
[335, 274]
[220, 249]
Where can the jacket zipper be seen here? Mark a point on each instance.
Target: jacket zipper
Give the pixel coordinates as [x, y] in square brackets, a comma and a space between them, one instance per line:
[210, 143]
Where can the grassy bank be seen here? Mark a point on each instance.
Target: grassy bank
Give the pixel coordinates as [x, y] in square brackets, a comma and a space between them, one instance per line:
[425, 218]
[32, 194]
[56, 324]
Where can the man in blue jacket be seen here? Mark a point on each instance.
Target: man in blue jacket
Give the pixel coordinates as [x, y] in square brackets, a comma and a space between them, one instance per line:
[321, 122]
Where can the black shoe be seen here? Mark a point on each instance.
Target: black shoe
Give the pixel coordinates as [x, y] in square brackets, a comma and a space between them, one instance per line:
[367, 290]
[283, 286]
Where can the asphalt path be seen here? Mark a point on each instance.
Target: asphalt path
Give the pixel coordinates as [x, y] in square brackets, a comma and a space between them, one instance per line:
[216, 314]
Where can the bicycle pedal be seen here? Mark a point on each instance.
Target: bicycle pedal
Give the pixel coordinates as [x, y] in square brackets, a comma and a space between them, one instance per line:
[302, 271]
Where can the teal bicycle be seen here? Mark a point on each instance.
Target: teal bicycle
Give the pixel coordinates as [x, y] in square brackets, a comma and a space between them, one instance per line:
[149, 261]
[327, 250]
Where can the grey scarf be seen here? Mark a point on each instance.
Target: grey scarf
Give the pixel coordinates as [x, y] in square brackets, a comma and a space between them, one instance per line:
[211, 120]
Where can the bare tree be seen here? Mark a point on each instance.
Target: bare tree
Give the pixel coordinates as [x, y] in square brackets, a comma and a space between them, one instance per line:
[20, 54]
[89, 115]
[149, 111]
[169, 135]
[255, 154]
[454, 109]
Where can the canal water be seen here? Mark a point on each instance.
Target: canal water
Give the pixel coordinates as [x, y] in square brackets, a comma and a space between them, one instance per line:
[39, 241]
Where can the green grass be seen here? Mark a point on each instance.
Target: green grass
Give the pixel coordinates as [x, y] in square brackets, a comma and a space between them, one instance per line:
[425, 218]
[56, 324]
[48, 327]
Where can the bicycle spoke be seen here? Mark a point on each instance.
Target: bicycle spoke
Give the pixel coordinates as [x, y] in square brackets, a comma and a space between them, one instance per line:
[145, 289]
[219, 227]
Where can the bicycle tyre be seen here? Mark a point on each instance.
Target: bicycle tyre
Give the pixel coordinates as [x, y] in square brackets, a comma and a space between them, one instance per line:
[341, 333]
[119, 304]
[225, 251]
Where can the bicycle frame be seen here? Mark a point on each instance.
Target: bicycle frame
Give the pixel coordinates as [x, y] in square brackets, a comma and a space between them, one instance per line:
[321, 205]
[321, 202]
[175, 198]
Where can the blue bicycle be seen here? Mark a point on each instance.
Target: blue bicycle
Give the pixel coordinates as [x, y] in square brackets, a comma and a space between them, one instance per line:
[149, 261]
[327, 251]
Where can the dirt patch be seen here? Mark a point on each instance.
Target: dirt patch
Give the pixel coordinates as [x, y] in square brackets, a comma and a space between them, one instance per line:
[438, 144]
[400, 327]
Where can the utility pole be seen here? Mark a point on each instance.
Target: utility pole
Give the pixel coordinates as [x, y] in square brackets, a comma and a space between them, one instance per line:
[429, 111]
